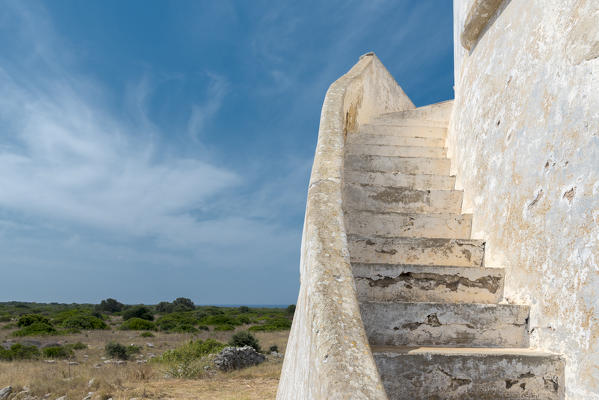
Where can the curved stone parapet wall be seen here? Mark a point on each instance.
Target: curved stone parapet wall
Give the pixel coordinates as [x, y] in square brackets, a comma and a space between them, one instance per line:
[524, 144]
[328, 356]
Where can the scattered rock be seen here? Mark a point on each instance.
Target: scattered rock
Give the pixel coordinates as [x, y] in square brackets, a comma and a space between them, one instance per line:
[5, 392]
[91, 382]
[150, 344]
[62, 398]
[120, 362]
[73, 363]
[108, 361]
[231, 358]
[89, 396]
[98, 366]
[51, 344]
[50, 361]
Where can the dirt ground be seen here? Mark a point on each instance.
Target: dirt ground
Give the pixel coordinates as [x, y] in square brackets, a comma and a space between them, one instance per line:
[138, 378]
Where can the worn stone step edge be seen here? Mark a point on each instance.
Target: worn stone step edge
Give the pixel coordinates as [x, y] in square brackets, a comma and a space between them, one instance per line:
[426, 283]
[423, 251]
[392, 140]
[398, 179]
[400, 199]
[408, 224]
[396, 150]
[410, 373]
[445, 324]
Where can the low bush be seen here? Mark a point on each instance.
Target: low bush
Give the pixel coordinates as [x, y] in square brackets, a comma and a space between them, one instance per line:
[274, 348]
[116, 350]
[244, 338]
[57, 352]
[221, 320]
[274, 324]
[290, 309]
[84, 322]
[36, 329]
[30, 319]
[138, 324]
[191, 350]
[19, 352]
[142, 312]
[76, 346]
[5, 318]
[146, 334]
[177, 322]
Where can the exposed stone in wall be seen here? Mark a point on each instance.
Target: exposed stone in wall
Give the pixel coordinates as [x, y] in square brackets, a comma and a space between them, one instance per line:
[524, 143]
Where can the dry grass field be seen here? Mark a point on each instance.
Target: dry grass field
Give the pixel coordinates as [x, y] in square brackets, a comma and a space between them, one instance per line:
[90, 371]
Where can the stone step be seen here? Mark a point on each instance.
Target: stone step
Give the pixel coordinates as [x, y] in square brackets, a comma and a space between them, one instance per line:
[403, 130]
[398, 151]
[469, 374]
[445, 324]
[390, 140]
[408, 121]
[419, 182]
[368, 223]
[400, 199]
[422, 283]
[421, 251]
[437, 112]
[404, 165]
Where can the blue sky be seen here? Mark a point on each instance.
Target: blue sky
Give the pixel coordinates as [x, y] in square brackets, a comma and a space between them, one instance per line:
[157, 149]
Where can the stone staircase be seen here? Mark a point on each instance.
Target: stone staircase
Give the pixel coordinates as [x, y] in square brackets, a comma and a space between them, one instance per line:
[430, 308]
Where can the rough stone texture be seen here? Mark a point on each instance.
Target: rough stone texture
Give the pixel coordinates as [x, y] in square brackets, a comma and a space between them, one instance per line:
[5, 392]
[328, 356]
[445, 324]
[474, 374]
[231, 358]
[421, 283]
[421, 251]
[367, 223]
[524, 143]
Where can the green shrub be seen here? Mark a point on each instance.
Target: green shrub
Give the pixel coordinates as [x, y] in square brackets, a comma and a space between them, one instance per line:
[36, 328]
[203, 328]
[110, 306]
[19, 352]
[244, 338]
[116, 350]
[133, 349]
[274, 324]
[76, 346]
[57, 352]
[138, 324]
[191, 351]
[244, 309]
[146, 334]
[84, 322]
[142, 312]
[177, 322]
[220, 320]
[164, 307]
[290, 309]
[274, 348]
[30, 319]
[183, 304]
[10, 325]
[5, 318]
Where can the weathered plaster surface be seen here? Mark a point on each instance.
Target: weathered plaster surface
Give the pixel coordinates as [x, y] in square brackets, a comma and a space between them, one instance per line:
[328, 356]
[524, 143]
